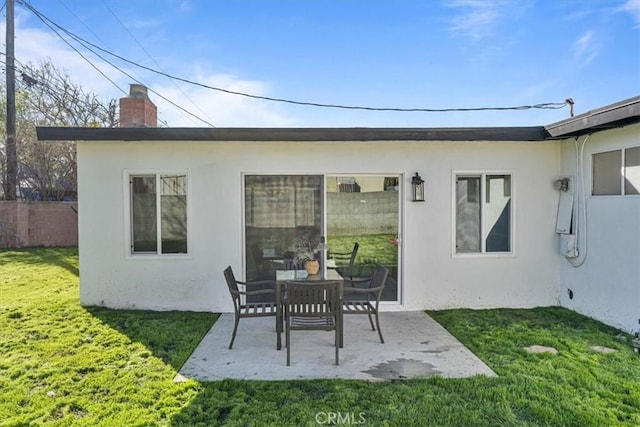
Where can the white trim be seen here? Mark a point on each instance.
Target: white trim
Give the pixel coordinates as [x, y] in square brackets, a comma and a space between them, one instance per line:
[126, 176]
[482, 174]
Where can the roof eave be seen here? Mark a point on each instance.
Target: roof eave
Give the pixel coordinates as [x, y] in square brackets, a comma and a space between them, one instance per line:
[536, 133]
[611, 116]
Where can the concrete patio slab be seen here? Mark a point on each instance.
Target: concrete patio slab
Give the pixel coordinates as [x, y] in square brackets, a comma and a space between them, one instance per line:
[415, 347]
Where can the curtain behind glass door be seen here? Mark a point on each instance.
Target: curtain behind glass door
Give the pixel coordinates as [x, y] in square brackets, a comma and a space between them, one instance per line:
[278, 209]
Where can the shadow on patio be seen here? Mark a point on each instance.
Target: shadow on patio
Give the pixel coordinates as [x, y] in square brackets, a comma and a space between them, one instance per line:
[415, 347]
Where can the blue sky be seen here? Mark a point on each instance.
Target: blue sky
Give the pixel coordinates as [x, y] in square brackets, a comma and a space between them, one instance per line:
[434, 54]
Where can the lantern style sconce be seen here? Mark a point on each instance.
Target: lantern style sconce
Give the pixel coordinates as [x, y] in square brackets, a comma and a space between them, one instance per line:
[417, 185]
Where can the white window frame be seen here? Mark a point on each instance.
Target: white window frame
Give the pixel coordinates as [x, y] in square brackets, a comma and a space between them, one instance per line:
[482, 174]
[128, 212]
[623, 171]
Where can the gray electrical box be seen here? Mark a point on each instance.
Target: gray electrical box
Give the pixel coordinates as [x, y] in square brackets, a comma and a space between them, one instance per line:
[565, 209]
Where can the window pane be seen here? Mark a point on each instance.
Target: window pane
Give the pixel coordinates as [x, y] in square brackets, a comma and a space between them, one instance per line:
[632, 170]
[607, 169]
[173, 207]
[497, 213]
[371, 218]
[468, 214]
[143, 215]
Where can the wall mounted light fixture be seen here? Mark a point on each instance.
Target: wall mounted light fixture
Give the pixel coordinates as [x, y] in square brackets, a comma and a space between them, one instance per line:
[417, 185]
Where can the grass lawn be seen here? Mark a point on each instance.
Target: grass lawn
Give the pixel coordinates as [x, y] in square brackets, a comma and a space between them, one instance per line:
[62, 364]
[374, 248]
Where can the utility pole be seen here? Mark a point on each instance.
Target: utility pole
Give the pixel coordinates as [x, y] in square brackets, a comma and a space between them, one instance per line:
[11, 176]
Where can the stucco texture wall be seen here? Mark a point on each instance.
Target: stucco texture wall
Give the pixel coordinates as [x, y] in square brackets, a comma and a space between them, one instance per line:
[605, 279]
[432, 276]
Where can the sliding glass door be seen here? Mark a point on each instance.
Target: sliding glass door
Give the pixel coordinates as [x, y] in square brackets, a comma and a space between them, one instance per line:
[365, 209]
[279, 211]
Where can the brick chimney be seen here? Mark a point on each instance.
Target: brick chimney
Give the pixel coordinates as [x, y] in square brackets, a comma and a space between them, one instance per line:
[137, 110]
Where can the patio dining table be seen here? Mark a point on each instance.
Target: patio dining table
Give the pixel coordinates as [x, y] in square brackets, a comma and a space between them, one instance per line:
[283, 276]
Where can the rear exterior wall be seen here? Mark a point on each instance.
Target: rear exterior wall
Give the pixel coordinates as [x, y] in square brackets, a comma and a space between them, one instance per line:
[432, 276]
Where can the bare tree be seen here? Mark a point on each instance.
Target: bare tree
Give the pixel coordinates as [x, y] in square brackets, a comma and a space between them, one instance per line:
[46, 96]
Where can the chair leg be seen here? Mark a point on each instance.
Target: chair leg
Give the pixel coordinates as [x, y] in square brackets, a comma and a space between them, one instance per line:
[378, 325]
[337, 339]
[288, 343]
[373, 328]
[235, 329]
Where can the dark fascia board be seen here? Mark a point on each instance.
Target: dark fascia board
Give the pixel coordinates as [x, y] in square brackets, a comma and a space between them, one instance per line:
[537, 133]
[611, 116]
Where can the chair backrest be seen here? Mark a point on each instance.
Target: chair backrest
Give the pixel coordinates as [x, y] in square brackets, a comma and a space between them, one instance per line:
[379, 277]
[364, 289]
[290, 264]
[289, 261]
[317, 299]
[354, 252]
[232, 284]
[346, 259]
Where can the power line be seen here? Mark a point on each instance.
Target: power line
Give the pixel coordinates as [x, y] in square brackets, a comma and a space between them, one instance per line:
[76, 50]
[84, 43]
[52, 87]
[82, 22]
[151, 57]
[164, 122]
[548, 105]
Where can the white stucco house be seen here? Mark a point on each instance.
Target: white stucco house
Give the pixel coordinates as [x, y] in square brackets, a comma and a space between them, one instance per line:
[162, 211]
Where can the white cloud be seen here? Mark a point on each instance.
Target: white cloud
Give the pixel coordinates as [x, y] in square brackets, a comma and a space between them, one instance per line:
[35, 46]
[218, 108]
[587, 47]
[185, 6]
[633, 8]
[478, 17]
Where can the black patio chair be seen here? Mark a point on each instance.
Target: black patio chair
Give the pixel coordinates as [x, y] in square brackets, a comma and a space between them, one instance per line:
[264, 267]
[345, 261]
[290, 262]
[312, 307]
[362, 296]
[262, 299]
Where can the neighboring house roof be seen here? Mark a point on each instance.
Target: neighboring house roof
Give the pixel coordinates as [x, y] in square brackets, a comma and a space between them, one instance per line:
[614, 115]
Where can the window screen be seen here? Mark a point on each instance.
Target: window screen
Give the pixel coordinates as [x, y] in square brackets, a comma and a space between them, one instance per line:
[143, 216]
[468, 214]
[168, 214]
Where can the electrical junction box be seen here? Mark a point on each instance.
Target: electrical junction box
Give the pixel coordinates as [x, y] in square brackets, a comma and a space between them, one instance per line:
[565, 208]
[568, 246]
